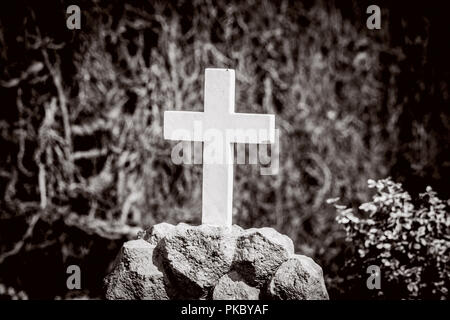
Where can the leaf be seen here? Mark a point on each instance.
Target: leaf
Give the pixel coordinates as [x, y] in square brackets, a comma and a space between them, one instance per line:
[332, 200]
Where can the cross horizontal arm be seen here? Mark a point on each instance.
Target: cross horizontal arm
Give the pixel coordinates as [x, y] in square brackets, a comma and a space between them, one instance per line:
[180, 125]
[252, 128]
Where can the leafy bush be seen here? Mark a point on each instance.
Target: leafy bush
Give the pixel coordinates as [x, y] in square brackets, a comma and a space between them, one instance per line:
[9, 293]
[410, 242]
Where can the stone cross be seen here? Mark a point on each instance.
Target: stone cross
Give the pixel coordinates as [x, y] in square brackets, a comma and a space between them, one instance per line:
[218, 121]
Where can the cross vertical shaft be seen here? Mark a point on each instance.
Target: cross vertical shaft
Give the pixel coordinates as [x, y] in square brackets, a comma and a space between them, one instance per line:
[217, 190]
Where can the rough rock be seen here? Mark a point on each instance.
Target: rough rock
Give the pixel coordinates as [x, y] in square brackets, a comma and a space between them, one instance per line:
[157, 232]
[135, 276]
[197, 257]
[298, 278]
[208, 262]
[233, 287]
[259, 252]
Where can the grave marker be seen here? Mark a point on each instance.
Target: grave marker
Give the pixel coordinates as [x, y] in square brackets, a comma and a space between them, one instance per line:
[218, 127]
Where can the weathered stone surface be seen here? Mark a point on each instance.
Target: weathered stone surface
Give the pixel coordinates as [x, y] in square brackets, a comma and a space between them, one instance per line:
[208, 262]
[157, 232]
[135, 276]
[233, 287]
[299, 278]
[259, 252]
[197, 257]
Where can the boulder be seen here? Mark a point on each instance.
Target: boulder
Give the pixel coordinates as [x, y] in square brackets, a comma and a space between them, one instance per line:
[209, 262]
[196, 257]
[298, 278]
[135, 276]
[259, 253]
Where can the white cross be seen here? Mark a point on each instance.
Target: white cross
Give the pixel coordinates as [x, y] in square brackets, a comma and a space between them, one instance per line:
[219, 117]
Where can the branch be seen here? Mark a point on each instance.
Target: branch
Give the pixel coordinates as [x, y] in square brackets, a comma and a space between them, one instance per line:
[18, 246]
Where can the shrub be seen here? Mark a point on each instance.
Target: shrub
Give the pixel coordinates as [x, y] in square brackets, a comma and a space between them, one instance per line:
[409, 241]
[9, 293]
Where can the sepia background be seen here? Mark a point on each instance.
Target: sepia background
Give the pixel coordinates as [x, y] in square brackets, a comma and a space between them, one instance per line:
[84, 165]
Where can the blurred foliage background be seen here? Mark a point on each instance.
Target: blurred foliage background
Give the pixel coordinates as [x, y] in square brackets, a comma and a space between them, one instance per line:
[84, 165]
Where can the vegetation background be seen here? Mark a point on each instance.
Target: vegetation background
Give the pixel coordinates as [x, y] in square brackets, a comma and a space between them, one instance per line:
[83, 162]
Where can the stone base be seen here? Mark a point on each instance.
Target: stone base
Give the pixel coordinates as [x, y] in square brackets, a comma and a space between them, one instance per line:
[208, 262]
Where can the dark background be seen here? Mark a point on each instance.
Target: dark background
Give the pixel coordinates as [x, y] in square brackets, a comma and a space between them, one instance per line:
[83, 162]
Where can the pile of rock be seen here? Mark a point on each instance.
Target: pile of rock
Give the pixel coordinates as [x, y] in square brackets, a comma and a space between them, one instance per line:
[207, 262]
